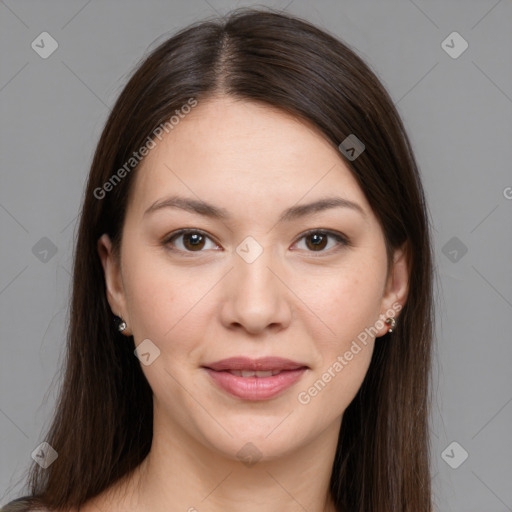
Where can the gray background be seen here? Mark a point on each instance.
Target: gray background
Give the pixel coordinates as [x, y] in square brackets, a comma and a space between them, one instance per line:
[458, 113]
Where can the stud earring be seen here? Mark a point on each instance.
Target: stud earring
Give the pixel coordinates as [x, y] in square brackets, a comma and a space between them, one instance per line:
[392, 323]
[120, 323]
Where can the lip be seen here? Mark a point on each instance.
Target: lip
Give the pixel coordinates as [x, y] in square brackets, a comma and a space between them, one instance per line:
[255, 388]
[260, 364]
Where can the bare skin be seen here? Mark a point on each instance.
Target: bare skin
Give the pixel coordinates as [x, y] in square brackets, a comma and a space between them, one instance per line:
[204, 302]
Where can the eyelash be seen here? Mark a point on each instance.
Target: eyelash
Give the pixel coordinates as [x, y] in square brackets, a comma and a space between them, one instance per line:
[342, 240]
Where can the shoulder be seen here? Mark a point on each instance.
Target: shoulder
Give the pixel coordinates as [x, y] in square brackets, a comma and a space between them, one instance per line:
[20, 505]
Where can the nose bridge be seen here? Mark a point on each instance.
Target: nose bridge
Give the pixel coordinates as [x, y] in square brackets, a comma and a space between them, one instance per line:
[256, 297]
[252, 274]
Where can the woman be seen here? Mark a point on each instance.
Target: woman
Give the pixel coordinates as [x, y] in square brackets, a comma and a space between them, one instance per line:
[255, 224]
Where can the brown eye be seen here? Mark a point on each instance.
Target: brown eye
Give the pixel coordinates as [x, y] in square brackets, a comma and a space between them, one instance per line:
[188, 241]
[193, 241]
[318, 240]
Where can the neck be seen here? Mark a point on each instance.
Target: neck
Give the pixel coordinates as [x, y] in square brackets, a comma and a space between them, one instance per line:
[182, 474]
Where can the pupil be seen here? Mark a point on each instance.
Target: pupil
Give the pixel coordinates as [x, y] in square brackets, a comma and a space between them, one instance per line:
[319, 239]
[194, 240]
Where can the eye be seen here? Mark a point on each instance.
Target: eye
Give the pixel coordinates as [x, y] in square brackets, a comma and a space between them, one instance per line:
[317, 240]
[193, 240]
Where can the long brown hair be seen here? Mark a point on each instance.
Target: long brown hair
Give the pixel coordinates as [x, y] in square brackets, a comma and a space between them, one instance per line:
[102, 427]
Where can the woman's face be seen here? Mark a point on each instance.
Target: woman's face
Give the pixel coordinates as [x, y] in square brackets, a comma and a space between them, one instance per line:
[251, 283]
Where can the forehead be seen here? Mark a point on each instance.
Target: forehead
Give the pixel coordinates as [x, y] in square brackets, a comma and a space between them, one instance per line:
[243, 153]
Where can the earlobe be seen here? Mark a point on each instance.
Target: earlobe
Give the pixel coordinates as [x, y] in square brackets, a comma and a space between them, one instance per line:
[112, 273]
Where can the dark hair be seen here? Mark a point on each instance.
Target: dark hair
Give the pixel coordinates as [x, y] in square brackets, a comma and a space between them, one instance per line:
[103, 424]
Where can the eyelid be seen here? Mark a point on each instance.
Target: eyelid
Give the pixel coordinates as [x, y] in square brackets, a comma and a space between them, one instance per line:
[334, 234]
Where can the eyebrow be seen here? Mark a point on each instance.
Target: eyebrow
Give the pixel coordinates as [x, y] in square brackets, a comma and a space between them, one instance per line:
[208, 210]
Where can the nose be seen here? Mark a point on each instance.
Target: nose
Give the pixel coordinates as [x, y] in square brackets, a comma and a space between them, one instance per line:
[255, 296]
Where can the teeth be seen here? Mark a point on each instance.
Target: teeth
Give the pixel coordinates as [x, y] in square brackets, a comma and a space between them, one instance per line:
[249, 373]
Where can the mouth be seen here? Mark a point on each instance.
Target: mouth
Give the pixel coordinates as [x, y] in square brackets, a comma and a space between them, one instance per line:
[256, 379]
[259, 367]
[250, 373]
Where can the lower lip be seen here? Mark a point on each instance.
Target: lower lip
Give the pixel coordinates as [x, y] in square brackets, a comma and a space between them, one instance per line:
[256, 388]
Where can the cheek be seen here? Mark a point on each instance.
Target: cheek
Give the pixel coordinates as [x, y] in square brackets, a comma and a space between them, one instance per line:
[344, 301]
[161, 300]
[347, 305]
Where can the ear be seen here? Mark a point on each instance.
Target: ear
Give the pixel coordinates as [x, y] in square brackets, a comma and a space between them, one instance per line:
[113, 279]
[397, 286]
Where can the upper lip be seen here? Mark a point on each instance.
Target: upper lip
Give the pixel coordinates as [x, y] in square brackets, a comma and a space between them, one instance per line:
[260, 364]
